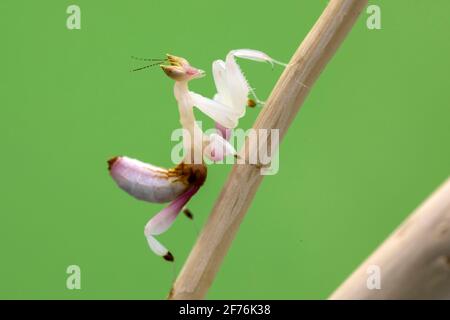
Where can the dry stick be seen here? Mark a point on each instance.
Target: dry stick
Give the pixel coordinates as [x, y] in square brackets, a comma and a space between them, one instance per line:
[283, 104]
[414, 262]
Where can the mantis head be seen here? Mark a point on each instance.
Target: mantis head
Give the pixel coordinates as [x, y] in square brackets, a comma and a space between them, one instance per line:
[179, 69]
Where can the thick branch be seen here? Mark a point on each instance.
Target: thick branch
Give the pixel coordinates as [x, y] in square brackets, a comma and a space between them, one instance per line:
[414, 262]
[283, 104]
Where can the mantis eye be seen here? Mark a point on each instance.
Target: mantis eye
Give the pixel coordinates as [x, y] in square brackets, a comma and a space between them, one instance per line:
[175, 72]
[177, 61]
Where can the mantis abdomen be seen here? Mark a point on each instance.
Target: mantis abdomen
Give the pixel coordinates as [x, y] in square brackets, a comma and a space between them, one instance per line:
[147, 182]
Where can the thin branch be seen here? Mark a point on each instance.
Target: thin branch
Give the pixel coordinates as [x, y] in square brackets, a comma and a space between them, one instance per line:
[413, 263]
[283, 104]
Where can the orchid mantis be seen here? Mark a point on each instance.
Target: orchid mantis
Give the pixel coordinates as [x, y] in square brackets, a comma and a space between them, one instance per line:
[227, 106]
[178, 185]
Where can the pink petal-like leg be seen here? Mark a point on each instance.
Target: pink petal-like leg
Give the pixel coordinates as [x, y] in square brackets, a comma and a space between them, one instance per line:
[163, 220]
[224, 132]
[217, 148]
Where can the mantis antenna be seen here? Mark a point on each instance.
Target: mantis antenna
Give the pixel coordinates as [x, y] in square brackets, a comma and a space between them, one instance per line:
[147, 59]
[148, 66]
[159, 61]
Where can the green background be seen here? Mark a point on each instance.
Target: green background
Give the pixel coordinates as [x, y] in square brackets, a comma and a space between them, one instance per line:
[370, 143]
